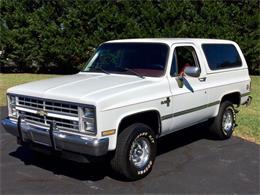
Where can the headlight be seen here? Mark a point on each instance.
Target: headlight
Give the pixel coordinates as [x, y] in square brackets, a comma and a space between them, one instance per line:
[12, 106]
[89, 120]
[89, 112]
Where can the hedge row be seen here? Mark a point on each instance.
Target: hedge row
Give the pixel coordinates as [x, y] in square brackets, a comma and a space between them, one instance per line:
[58, 36]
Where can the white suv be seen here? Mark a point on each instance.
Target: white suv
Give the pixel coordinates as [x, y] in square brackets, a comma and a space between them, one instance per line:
[130, 93]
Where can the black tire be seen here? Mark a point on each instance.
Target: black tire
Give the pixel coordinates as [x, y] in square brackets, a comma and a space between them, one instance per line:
[122, 161]
[217, 127]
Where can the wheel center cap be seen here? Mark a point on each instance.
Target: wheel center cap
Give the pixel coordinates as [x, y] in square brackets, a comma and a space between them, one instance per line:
[139, 152]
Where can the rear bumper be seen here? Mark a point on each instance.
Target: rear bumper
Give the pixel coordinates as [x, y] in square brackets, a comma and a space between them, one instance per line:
[248, 101]
[55, 139]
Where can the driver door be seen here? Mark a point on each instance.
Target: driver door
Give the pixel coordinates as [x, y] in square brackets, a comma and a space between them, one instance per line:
[189, 94]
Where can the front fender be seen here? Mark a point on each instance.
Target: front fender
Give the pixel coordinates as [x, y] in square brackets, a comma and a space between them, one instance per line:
[113, 118]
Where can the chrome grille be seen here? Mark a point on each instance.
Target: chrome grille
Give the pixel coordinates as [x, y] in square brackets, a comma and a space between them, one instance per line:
[61, 108]
[48, 105]
[30, 102]
[63, 124]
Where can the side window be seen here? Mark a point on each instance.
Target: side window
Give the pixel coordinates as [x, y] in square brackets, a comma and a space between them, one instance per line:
[183, 57]
[220, 56]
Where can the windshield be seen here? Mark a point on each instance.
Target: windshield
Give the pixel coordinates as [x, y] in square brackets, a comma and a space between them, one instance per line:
[140, 59]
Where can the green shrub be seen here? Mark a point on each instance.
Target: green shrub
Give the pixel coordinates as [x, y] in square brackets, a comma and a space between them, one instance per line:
[58, 36]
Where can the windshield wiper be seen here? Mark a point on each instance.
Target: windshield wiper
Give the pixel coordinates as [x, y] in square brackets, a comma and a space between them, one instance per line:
[132, 71]
[99, 68]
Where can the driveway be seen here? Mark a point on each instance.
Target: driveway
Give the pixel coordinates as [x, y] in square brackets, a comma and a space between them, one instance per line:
[188, 161]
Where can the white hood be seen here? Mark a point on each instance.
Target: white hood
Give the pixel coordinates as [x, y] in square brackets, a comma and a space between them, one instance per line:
[88, 88]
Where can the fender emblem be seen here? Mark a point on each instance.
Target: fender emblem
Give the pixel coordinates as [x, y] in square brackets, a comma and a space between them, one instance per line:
[42, 113]
[167, 101]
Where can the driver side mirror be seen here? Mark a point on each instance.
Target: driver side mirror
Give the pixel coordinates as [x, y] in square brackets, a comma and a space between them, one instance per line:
[192, 71]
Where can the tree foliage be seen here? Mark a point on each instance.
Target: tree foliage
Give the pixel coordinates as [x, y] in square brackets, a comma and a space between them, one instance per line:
[58, 36]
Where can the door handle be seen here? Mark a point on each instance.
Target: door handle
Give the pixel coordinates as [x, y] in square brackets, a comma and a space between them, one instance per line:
[202, 79]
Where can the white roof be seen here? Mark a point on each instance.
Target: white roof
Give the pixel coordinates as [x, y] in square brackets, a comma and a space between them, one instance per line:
[170, 41]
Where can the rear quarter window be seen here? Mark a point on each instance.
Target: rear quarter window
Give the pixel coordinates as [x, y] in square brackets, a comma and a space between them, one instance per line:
[221, 56]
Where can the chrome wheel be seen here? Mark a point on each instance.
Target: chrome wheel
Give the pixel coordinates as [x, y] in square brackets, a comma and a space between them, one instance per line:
[140, 152]
[227, 121]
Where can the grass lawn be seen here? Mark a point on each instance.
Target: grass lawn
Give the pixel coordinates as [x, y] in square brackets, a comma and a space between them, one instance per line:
[248, 117]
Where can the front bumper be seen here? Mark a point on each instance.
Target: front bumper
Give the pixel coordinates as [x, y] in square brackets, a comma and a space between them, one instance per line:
[55, 139]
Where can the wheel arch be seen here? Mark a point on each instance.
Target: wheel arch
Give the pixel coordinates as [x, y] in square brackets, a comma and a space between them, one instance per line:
[234, 97]
[150, 117]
